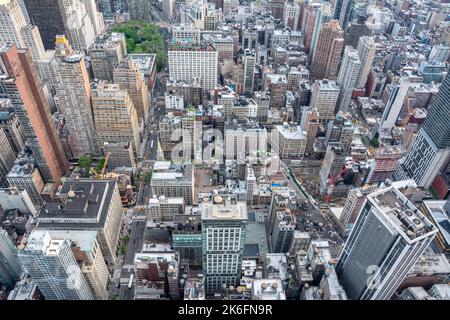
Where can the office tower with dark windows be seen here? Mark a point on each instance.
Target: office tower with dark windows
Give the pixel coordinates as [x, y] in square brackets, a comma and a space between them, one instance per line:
[19, 82]
[10, 267]
[387, 239]
[431, 149]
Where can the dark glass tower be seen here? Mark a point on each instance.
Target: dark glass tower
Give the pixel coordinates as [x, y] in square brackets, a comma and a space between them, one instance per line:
[437, 123]
[47, 16]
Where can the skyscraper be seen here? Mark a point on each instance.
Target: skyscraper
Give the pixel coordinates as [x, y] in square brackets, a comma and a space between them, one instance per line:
[15, 28]
[249, 72]
[348, 76]
[116, 118]
[74, 96]
[223, 236]
[327, 57]
[431, 149]
[367, 48]
[53, 267]
[47, 15]
[387, 239]
[129, 77]
[21, 84]
[324, 98]
[68, 17]
[10, 267]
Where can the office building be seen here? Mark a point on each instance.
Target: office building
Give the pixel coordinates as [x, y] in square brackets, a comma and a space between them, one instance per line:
[25, 175]
[243, 141]
[348, 77]
[20, 84]
[367, 48]
[106, 53]
[129, 77]
[168, 7]
[74, 97]
[223, 236]
[384, 164]
[13, 198]
[190, 62]
[47, 16]
[291, 15]
[249, 72]
[69, 17]
[146, 63]
[327, 57]
[325, 94]
[430, 150]
[173, 181]
[310, 125]
[291, 141]
[387, 239]
[438, 213]
[163, 208]
[10, 267]
[11, 126]
[53, 267]
[115, 117]
[282, 234]
[87, 204]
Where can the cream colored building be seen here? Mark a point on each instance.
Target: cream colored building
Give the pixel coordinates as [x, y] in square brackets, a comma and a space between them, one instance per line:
[115, 116]
[129, 77]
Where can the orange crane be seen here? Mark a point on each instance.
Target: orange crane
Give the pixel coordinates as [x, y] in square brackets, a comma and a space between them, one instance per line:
[105, 164]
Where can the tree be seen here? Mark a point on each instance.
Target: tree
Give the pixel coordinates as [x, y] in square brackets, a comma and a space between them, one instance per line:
[85, 162]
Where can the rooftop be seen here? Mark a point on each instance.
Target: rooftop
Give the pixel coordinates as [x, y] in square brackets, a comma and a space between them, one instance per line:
[83, 201]
[402, 214]
[440, 211]
[223, 211]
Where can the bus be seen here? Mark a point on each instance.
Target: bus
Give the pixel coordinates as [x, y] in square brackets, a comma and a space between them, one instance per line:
[130, 282]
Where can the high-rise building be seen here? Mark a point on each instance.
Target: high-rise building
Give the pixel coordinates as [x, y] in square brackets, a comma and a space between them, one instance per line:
[53, 267]
[11, 126]
[324, 98]
[10, 267]
[129, 77]
[387, 239]
[191, 62]
[25, 175]
[15, 28]
[323, 16]
[139, 9]
[249, 72]
[14, 198]
[47, 16]
[223, 237]
[291, 15]
[384, 164]
[163, 208]
[431, 149]
[310, 125]
[22, 86]
[87, 204]
[106, 53]
[282, 234]
[74, 96]
[115, 116]
[68, 17]
[327, 57]
[168, 7]
[367, 47]
[348, 77]
[309, 22]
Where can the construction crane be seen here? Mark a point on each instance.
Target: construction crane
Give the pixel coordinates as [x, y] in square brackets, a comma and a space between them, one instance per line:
[331, 182]
[105, 164]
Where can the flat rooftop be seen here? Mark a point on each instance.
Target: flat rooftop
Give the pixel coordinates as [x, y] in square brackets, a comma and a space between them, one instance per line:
[211, 211]
[83, 201]
[402, 214]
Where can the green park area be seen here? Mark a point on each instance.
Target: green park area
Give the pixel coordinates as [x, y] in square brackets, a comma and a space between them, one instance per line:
[143, 37]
